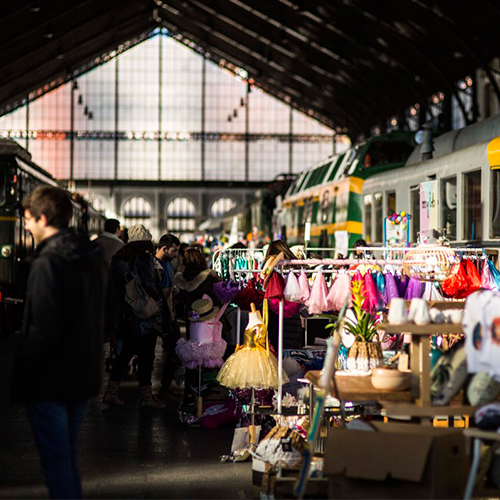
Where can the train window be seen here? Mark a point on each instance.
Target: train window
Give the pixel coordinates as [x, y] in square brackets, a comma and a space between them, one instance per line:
[379, 218]
[386, 153]
[495, 204]
[391, 203]
[449, 207]
[367, 217]
[325, 199]
[415, 212]
[472, 206]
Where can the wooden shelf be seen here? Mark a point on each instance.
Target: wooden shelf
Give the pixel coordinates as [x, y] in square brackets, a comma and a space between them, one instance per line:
[394, 409]
[430, 329]
[352, 388]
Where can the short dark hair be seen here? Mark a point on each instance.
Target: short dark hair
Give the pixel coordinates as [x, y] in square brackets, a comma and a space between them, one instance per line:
[111, 225]
[360, 243]
[167, 240]
[52, 202]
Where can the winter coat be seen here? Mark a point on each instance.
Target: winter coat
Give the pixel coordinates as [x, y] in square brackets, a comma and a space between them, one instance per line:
[193, 285]
[129, 325]
[60, 353]
[109, 244]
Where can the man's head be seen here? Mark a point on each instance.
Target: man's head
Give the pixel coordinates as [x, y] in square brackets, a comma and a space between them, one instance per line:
[112, 226]
[47, 210]
[168, 247]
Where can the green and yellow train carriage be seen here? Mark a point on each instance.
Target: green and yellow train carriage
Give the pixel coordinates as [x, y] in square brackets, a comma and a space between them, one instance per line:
[329, 195]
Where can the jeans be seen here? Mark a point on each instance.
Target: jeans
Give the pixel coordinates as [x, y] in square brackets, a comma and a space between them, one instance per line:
[55, 428]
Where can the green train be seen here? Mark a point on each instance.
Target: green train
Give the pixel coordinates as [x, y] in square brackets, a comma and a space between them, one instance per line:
[329, 194]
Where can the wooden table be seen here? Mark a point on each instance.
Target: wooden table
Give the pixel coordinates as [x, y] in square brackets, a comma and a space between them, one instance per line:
[420, 354]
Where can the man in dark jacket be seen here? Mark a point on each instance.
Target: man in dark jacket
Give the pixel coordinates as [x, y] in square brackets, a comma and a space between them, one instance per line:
[59, 362]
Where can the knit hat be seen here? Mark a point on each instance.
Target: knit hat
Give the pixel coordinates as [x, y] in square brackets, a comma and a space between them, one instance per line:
[139, 233]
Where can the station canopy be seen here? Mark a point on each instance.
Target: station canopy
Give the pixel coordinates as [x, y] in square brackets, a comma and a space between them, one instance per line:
[351, 64]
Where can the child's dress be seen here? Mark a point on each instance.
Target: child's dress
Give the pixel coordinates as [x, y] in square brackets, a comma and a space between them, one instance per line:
[252, 364]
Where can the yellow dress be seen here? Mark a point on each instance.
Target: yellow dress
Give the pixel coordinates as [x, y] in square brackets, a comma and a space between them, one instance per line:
[252, 364]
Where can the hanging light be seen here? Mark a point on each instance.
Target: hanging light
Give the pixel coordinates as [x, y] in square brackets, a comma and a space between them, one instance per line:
[242, 102]
[86, 110]
[235, 113]
[80, 99]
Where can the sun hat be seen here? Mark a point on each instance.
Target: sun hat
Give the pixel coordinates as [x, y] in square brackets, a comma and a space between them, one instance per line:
[202, 310]
[139, 233]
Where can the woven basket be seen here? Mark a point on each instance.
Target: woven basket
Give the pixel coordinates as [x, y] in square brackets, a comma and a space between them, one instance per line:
[429, 262]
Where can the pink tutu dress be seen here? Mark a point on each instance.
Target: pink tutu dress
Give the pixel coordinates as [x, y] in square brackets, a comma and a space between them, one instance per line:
[305, 290]
[339, 292]
[292, 289]
[317, 301]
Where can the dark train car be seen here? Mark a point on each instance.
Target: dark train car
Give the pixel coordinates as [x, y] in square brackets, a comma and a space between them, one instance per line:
[19, 176]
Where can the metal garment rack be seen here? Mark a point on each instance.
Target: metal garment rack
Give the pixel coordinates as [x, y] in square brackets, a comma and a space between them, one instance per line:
[307, 262]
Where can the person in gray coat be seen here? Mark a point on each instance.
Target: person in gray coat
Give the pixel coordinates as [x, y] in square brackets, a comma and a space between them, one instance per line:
[108, 241]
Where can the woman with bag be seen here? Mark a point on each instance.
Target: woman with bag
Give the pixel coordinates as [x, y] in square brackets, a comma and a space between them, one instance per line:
[135, 271]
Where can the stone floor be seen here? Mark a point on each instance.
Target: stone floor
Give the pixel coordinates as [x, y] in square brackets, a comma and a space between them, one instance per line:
[124, 452]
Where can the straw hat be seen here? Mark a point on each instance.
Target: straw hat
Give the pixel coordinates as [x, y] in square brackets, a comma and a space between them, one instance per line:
[202, 310]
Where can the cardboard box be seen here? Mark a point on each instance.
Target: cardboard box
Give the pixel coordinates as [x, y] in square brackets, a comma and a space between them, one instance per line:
[397, 461]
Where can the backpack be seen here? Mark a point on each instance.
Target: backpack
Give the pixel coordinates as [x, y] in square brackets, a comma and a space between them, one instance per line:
[141, 303]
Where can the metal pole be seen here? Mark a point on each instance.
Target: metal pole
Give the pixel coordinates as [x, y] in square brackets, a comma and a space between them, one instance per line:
[290, 144]
[72, 133]
[247, 136]
[116, 119]
[280, 357]
[203, 114]
[238, 327]
[160, 103]
[27, 122]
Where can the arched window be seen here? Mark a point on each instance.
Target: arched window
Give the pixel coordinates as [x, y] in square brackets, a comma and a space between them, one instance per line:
[221, 206]
[181, 215]
[137, 210]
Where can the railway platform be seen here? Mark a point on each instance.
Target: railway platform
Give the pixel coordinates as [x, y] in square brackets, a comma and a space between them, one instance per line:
[124, 452]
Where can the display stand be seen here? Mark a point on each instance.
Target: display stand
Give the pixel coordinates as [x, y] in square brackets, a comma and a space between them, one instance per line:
[420, 354]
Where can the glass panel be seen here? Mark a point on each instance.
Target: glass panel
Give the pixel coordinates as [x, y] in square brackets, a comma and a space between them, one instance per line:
[415, 214]
[495, 204]
[391, 203]
[379, 229]
[472, 206]
[367, 230]
[449, 207]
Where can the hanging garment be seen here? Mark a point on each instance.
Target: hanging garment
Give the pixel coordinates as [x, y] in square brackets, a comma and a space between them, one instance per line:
[415, 289]
[402, 284]
[251, 293]
[495, 273]
[292, 289]
[339, 292]
[317, 300]
[391, 289]
[371, 302]
[473, 276]
[432, 292]
[305, 290]
[487, 279]
[275, 287]
[457, 283]
[226, 291]
[380, 282]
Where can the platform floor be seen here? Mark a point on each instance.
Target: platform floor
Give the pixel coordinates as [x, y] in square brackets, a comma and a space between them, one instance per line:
[124, 452]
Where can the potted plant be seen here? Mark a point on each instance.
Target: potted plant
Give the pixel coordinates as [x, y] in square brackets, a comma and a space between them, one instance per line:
[366, 352]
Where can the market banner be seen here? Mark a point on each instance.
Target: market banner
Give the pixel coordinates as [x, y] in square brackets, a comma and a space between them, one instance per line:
[428, 206]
